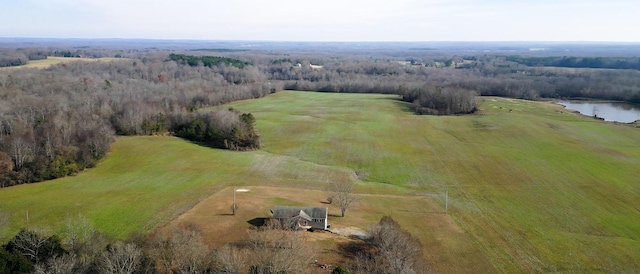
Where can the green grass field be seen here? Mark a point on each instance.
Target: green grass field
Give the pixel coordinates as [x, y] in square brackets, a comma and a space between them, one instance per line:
[51, 60]
[538, 189]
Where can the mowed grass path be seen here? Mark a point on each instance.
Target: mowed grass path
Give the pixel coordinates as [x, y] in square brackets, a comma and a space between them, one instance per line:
[538, 189]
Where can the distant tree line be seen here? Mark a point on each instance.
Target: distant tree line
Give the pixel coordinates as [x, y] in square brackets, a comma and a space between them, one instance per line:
[384, 77]
[19, 57]
[219, 50]
[578, 62]
[485, 74]
[207, 61]
[10, 58]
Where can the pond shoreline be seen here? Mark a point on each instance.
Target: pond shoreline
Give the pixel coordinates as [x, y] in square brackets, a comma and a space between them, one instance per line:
[606, 110]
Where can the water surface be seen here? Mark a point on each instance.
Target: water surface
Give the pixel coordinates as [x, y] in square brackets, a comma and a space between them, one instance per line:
[609, 111]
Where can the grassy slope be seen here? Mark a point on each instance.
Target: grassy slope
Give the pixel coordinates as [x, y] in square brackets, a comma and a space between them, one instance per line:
[537, 189]
[146, 181]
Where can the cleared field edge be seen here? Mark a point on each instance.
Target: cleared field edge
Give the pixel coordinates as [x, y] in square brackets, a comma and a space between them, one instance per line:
[51, 60]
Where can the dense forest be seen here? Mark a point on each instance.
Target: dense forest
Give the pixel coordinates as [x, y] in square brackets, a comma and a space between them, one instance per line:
[60, 120]
[578, 62]
[487, 75]
[10, 58]
[207, 61]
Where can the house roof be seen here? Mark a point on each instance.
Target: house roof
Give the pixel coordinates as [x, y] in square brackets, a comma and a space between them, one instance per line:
[296, 211]
[304, 215]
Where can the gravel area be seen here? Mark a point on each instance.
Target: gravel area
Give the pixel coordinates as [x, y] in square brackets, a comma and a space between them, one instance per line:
[350, 231]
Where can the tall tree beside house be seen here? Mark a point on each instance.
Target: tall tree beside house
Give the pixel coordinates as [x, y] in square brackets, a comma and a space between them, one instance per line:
[342, 194]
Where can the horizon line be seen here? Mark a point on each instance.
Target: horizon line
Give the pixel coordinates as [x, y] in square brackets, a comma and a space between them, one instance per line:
[326, 41]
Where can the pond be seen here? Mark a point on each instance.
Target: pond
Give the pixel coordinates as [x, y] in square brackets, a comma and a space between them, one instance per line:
[609, 111]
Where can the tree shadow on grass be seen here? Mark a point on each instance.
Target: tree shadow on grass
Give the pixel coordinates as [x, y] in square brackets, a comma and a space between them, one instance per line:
[351, 249]
[402, 105]
[202, 144]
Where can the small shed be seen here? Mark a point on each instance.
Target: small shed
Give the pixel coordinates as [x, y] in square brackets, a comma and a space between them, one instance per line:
[304, 217]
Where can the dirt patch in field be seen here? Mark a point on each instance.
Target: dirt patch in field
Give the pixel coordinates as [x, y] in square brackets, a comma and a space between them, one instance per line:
[351, 232]
[214, 215]
[445, 244]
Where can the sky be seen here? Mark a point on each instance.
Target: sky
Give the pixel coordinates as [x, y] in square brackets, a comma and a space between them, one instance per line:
[325, 20]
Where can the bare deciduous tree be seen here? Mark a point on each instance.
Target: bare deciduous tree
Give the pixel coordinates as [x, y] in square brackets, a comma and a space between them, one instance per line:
[400, 252]
[83, 241]
[121, 258]
[6, 164]
[183, 252]
[231, 260]
[36, 245]
[367, 263]
[58, 265]
[342, 194]
[21, 150]
[77, 233]
[279, 251]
